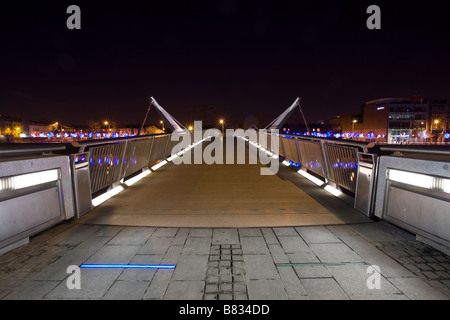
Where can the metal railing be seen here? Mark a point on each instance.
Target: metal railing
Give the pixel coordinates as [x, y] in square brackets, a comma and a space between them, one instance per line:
[332, 159]
[29, 148]
[115, 159]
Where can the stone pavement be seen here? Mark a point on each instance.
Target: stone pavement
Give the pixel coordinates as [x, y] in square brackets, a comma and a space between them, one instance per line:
[309, 262]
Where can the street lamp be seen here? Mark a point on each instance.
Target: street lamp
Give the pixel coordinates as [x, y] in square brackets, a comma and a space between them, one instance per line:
[106, 123]
[353, 125]
[221, 122]
[162, 125]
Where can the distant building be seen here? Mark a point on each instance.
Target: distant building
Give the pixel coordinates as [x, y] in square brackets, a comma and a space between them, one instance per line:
[10, 126]
[439, 118]
[398, 120]
[35, 128]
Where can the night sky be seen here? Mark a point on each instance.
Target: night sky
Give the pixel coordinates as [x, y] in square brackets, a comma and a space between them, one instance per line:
[245, 61]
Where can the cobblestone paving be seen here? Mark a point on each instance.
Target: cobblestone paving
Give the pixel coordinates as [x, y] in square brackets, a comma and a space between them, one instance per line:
[225, 274]
[316, 262]
[421, 259]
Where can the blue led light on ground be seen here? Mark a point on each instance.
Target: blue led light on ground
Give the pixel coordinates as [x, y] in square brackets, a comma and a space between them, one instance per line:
[128, 266]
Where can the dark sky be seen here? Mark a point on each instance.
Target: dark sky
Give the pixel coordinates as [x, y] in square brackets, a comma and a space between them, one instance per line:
[242, 60]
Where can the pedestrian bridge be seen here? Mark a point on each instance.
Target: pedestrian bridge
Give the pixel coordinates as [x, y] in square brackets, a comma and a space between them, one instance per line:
[135, 182]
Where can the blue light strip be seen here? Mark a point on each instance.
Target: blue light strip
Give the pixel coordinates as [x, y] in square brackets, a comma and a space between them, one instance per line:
[133, 266]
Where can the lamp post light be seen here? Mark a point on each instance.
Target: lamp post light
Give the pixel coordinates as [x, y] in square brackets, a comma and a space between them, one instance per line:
[221, 122]
[162, 125]
[353, 125]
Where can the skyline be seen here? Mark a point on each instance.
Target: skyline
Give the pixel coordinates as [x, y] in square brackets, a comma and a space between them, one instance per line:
[242, 60]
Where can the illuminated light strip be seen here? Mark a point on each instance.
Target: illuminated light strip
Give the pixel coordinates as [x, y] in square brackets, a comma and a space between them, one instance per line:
[128, 266]
[107, 195]
[286, 163]
[311, 178]
[135, 179]
[159, 165]
[333, 191]
[420, 180]
[172, 157]
[28, 180]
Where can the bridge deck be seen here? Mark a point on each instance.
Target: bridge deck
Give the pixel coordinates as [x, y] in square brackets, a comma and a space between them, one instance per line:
[222, 195]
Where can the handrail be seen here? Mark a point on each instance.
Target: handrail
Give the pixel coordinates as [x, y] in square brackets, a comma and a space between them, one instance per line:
[440, 150]
[96, 142]
[360, 144]
[22, 148]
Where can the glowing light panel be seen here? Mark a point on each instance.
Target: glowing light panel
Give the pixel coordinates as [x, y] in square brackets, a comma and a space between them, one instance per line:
[132, 266]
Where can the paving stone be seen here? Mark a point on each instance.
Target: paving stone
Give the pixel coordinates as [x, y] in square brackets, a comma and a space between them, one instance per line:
[200, 233]
[127, 290]
[424, 267]
[32, 290]
[260, 267]
[324, 289]
[293, 244]
[359, 244]
[211, 288]
[388, 266]
[132, 236]
[353, 279]
[225, 236]
[214, 279]
[112, 254]
[436, 266]
[197, 246]
[335, 252]
[141, 274]
[440, 258]
[291, 282]
[158, 285]
[269, 236]
[192, 267]
[417, 289]
[225, 296]
[250, 232]
[430, 275]
[312, 271]
[240, 296]
[430, 259]
[287, 231]
[418, 259]
[156, 245]
[185, 290]
[94, 284]
[317, 234]
[278, 254]
[342, 230]
[180, 238]
[303, 257]
[74, 235]
[254, 245]
[264, 289]
[226, 287]
[379, 297]
[165, 232]
[239, 287]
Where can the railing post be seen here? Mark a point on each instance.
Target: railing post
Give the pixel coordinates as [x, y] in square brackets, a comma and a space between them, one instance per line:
[298, 151]
[122, 164]
[325, 161]
[282, 145]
